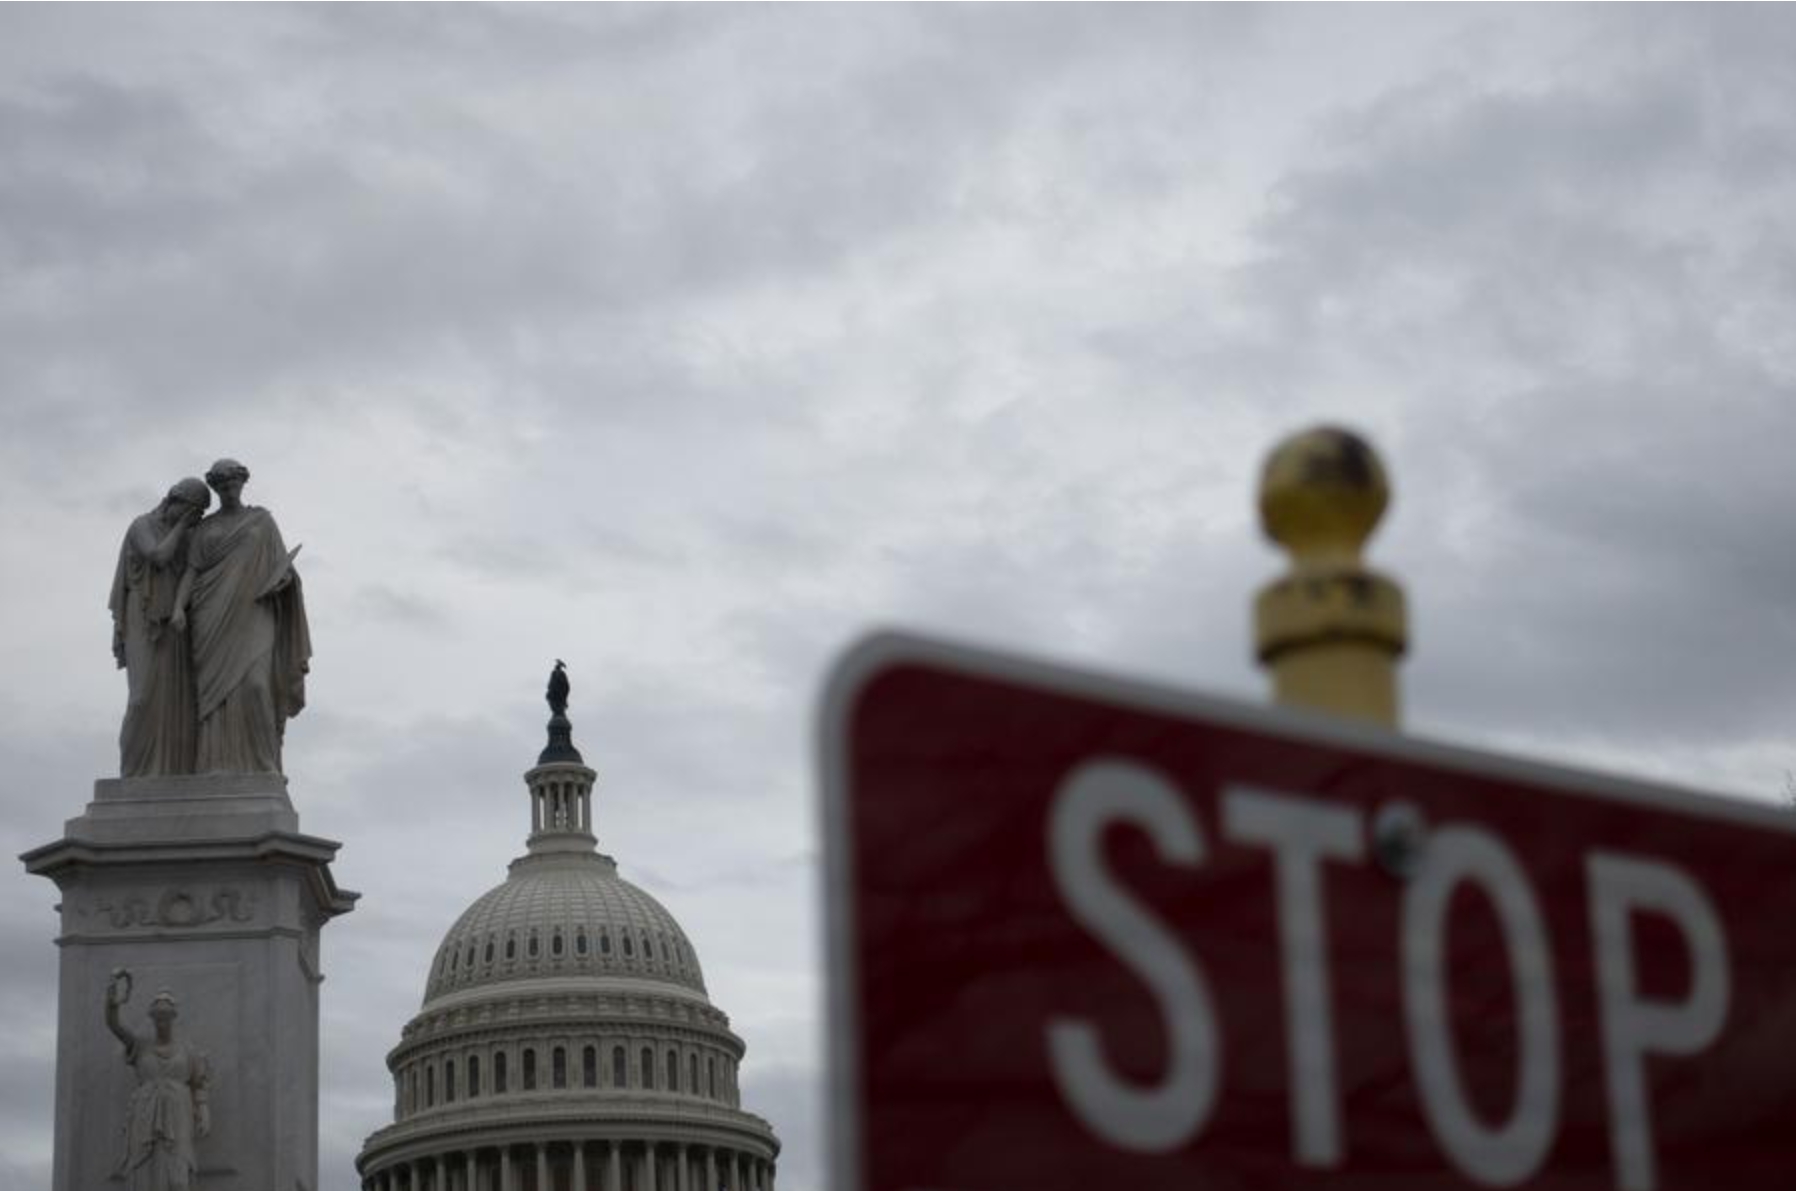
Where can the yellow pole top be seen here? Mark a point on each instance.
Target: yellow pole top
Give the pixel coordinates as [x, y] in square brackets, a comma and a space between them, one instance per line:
[1330, 629]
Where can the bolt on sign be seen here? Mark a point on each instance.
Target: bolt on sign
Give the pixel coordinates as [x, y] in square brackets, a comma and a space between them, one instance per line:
[1087, 933]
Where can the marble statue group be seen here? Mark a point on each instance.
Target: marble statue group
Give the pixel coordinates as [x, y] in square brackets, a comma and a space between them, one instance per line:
[209, 625]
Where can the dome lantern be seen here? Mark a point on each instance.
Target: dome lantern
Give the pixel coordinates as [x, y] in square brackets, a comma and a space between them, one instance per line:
[560, 784]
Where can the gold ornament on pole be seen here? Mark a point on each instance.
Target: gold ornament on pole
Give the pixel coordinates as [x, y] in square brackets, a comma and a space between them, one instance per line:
[1330, 629]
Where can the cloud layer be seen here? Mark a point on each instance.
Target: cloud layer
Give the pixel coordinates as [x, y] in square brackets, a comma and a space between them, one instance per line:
[687, 344]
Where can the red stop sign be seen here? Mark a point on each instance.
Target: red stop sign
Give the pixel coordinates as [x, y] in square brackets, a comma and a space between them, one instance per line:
[1094, 934]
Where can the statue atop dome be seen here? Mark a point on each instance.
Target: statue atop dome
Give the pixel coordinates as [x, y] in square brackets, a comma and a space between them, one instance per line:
[558, 689]
[561, 729]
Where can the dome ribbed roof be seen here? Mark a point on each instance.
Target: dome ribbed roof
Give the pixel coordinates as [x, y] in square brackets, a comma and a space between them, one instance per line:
[563, 915]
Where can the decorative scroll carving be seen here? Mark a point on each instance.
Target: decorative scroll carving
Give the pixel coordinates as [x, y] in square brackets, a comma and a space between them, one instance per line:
[179, 906]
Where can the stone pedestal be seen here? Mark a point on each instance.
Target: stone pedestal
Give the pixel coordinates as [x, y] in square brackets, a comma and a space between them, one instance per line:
[205, 886]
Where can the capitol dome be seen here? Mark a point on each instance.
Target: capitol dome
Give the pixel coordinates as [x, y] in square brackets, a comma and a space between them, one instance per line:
[561, 916]
[566, 1041]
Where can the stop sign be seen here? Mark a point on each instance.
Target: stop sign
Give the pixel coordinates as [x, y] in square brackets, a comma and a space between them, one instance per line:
[1094, 934]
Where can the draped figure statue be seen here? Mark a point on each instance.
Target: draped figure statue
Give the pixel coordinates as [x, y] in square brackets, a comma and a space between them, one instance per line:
[169, 1109]
[159, 732]
[241, 605]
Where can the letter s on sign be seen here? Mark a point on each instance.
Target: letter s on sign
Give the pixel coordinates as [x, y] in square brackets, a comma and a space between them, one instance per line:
[1165, 1116]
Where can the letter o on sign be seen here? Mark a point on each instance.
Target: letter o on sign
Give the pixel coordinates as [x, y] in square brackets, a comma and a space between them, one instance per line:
[1513, 1150]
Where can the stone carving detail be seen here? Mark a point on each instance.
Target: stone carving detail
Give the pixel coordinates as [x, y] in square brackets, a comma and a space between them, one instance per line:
[169, 1108]
[158, 733]
[178, 906]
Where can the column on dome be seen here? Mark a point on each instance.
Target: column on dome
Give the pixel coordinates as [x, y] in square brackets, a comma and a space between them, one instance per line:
[710, 1168]
[580, 1166]
[507, 1180]
[470, 1173]
[442, 1175]
[614, 1167]
[542, 1166]
[648, 1165]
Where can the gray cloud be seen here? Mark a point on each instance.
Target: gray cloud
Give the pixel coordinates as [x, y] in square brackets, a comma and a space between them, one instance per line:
[688, 344]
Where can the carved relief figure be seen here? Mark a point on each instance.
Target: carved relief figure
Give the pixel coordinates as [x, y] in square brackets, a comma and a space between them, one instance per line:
[160, 726]
[245, 614]
[169, 1109]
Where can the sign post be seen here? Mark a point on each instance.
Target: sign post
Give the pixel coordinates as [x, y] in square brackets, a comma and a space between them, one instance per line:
[1090, 934]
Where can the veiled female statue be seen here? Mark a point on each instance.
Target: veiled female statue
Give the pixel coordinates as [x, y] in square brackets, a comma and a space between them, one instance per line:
[169, 1109]
[242, 608]
[159, 730]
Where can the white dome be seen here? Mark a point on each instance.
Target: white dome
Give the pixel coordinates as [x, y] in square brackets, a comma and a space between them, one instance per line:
[563, 915]
[566, 1030]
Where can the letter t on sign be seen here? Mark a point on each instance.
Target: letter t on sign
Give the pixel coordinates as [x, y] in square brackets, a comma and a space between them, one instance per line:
[1302, 833]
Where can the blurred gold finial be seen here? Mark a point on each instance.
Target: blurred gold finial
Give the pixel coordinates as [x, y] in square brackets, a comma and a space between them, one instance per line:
[1330, 630]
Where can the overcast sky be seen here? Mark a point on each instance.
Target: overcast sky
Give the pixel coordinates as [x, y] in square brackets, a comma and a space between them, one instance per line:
[687, 344]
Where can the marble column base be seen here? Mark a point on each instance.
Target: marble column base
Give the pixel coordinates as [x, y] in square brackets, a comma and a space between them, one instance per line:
[205, 886]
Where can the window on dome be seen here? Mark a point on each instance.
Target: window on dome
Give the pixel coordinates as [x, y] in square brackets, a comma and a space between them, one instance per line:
[711, 1077]
[534, 947]
[468, 962]
[473, 1076]
[448, 1081]
[589, 1067]
[529, 1070]
[628, 949]
[489, 949]
[673, 1071]
[555, 943]
[430, 1086]
[648, 947]
[511, 946]
[648, 1068]
[558, 1067]
[619, 1076]
[604, 943]
[692, 1071]
[452, 960]
[580, 941]
[414, 1096]
[499, 1073]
